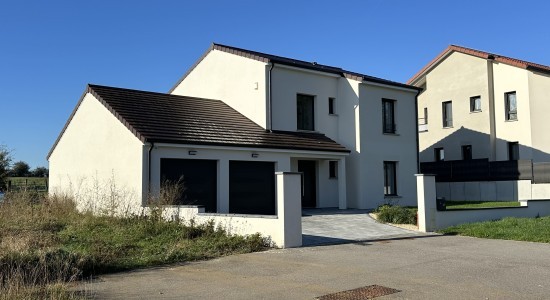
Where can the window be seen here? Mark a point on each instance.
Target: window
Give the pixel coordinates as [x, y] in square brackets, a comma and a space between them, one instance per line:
[426, 115]
[331, 106]
[513, 151]
[467, 152]
[511, 106]
[475, 104]
[447, 114]
[333, 169]
[305, 112]
[388, 113]
[390, 181]
[439, 154]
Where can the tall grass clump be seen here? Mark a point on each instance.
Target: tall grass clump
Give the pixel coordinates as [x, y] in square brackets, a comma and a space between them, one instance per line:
[46, 243]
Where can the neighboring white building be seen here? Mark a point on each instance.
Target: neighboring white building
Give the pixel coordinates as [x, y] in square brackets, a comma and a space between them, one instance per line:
[353, 136]
[476, 104]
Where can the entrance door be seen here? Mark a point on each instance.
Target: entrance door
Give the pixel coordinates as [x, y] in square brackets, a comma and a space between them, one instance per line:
[309, 182]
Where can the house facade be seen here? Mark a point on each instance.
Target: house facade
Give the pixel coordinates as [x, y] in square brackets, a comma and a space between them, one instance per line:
[476, 105]
[229, 124]
[372, 117]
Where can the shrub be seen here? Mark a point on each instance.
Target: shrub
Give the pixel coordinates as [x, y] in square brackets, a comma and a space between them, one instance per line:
[396, 214]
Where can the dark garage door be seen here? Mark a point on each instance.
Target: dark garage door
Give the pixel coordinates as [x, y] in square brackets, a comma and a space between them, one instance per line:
[199, 179]
[252, 187]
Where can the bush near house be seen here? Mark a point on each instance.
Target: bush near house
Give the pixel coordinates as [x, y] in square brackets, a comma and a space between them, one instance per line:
[519, 229]
[46, 243]
[397, 214]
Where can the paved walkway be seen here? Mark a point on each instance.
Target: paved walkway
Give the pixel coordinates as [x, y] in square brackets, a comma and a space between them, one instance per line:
[435, 267]
[334, 226]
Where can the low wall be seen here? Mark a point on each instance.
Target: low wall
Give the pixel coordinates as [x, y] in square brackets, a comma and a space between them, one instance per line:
[284, 229]
[513, 190]
[430, 219]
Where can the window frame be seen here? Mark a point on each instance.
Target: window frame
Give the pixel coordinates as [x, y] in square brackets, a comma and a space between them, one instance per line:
[389, 189]
[508, 112]
[513, 155]
[332, 106]
[391, 129]
[332, 169]
[298, 115]
[447, 122]
[437, 154]
[473, 104]
[470, 152]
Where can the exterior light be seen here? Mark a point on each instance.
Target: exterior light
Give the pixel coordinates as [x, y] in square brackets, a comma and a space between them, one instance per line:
[192, 152]
[255, 155]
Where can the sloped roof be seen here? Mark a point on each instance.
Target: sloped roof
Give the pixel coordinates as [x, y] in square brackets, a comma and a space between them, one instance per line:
[481, 54]
[164, 118]
[266, 58]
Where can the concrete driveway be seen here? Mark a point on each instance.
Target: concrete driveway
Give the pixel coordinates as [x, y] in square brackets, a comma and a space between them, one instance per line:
[334, 226]
[435, 267]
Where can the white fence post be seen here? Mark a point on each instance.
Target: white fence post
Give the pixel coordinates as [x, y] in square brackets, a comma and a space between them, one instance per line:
[425, 186]
[289, 208]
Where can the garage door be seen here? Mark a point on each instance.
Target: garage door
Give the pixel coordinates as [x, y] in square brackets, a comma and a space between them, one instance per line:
[199, 180]
[252, 187]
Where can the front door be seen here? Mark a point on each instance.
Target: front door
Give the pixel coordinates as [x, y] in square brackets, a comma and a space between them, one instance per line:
[309, 182]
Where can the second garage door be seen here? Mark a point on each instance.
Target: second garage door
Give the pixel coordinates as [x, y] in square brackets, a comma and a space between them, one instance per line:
[252, 187]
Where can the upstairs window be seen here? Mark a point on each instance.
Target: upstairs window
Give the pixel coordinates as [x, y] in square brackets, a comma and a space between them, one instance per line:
[426, 115]
[388, 113]
[475, 104]
[331, 106]
[513, 151]
[448, 114]
[467, 152]
[511, 106]
[305, 109]
[439, 154]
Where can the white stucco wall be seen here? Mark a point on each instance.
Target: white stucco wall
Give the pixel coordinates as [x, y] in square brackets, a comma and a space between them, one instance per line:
[285, 161]
[508, 79]
[456, 79]
[97, 160]
[377, 147]
[539, 95]
[238, 81]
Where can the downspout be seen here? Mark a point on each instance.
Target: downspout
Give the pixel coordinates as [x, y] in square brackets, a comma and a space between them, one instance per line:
[417, 134]
[269, 101]
[149, 168]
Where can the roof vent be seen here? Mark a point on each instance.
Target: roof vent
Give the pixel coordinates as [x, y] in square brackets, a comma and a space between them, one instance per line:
[315, 63]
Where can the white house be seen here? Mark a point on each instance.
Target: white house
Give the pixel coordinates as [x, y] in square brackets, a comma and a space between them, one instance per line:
[477, 104]
[352, 136]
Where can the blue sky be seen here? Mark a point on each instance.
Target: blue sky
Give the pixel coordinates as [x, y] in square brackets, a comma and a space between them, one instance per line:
[50, 50]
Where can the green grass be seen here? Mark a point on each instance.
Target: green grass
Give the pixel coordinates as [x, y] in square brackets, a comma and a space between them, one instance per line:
[45, 242]
[480, 204]
[519, 229]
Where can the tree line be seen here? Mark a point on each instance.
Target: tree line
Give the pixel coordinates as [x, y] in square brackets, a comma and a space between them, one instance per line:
[17, 169]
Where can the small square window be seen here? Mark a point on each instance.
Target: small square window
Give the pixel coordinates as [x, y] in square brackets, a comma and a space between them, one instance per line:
[331, 106]
[333, 169]
[439, 154]
[475, 104]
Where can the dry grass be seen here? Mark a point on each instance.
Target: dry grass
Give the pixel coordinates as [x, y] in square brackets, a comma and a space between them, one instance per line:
[46, 244]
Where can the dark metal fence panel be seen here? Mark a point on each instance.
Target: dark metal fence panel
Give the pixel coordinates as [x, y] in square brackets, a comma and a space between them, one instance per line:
[511, 170]
[480, 170]
[541, 172]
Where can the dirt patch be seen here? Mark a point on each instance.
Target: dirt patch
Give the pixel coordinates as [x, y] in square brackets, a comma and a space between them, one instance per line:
[367, 292]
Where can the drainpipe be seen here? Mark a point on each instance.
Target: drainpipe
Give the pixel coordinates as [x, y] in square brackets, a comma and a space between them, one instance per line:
[417, 134]
[149, 167]
[269, 101]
